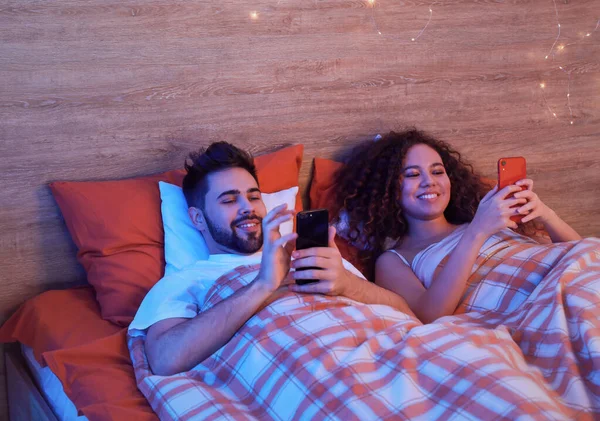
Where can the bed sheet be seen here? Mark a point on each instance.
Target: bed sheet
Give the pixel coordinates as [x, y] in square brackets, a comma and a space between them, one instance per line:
[51, 389]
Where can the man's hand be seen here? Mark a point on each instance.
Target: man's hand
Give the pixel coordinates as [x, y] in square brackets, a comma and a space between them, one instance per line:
[275, 263]
[333, 278]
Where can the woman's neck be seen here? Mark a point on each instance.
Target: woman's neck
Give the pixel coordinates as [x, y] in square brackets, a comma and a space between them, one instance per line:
[430, 229]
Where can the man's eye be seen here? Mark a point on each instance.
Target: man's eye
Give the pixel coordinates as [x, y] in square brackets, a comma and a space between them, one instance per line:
[255, 198]
[228, 201]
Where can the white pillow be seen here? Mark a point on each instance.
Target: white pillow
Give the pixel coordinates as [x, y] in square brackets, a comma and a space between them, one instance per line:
[184, 244]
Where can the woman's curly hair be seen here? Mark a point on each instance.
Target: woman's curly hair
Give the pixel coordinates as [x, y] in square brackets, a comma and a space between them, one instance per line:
[369, 190]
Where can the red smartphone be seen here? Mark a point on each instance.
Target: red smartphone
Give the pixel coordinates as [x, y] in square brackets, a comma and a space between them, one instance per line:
[313, 231]
[511, 170]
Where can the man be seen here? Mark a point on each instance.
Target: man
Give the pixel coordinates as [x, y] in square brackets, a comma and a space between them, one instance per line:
[225, 204]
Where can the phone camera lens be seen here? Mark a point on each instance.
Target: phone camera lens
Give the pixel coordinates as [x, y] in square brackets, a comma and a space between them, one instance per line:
[503, 163]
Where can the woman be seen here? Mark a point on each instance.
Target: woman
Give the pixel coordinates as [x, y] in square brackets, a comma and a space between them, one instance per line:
[418, 191]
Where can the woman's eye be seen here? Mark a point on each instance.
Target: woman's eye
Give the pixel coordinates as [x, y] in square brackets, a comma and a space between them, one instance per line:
[414, 174]
[438, 172]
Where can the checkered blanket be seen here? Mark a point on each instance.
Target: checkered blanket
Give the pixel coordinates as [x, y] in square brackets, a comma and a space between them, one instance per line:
[523, 344]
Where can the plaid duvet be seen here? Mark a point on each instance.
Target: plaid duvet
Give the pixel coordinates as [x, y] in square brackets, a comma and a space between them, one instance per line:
[524, 344]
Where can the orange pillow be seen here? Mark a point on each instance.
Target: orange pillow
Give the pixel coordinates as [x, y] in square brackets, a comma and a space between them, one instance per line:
[321, 193]
[98, 377]
[118, 230]
[57, 319]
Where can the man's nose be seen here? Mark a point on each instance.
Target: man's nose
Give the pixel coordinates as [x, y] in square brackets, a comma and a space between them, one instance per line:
[246, 206]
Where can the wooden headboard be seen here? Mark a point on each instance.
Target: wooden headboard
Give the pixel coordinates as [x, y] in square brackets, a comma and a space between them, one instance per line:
[92, 91]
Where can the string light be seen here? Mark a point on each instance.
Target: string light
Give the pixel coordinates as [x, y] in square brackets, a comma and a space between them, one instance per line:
[543, 87]
[254, 15]
[568, 92]
[372, 4]
[557, 36]
[425, 27]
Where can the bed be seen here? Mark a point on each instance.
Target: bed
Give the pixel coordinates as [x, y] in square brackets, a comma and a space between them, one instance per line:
[520, 344]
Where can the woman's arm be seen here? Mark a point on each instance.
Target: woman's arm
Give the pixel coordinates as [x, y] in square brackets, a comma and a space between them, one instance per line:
[447, 288]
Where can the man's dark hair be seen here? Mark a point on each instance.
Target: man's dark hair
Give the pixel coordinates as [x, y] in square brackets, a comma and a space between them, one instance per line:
[218, 156]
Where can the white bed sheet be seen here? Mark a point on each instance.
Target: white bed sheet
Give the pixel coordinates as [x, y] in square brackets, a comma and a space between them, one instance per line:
[51, 388]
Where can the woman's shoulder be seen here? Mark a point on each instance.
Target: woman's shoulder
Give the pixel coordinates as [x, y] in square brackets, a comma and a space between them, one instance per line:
[392, 257]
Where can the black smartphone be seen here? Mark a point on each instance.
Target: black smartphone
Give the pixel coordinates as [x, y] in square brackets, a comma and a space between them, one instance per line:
[313, 231]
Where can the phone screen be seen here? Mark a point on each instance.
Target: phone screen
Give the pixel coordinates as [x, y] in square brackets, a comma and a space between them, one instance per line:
[313, 231]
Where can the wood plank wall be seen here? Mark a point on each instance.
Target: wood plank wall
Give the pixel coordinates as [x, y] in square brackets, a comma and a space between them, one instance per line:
[91, 89]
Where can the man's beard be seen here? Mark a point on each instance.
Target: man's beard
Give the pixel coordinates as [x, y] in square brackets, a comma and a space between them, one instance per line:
[230, 238]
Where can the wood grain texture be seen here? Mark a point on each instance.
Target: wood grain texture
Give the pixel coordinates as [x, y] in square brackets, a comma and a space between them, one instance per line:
[94, 90]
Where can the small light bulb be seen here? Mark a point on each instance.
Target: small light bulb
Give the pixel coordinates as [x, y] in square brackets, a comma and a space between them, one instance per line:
[561, 47]
[554, 114]
[542, 85]
[546, 57]
[560, 67]
[568, 95]
[379, 32]
[571, 122]
[430, 11]
[588, 34]
[412, 39]
[254, 15]
[371, 2]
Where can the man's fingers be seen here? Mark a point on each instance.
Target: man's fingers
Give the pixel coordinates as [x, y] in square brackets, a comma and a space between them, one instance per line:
[321, 287]
[278, 211]
[283, 240]
[310, 274]
[332, 233]
[327, 252]
[275, 223]
[314, 261]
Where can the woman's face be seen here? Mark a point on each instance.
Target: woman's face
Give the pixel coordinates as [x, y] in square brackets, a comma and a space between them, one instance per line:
[425, 185]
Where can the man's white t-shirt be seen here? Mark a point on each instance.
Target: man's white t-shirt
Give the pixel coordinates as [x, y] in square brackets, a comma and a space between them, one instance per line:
[181, 294]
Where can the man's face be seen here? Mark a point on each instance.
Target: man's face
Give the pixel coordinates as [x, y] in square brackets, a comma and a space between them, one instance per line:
[233, 211]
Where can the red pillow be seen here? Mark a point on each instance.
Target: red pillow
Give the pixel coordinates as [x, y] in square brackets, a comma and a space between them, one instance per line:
[118, 229]
[321, 193]
[57, 319]
[98, 377]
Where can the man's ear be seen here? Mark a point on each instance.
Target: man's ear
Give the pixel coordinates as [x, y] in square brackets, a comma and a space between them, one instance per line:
[197, 218]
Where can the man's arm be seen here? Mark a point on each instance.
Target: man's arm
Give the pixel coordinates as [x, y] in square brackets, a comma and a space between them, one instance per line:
[176, 345]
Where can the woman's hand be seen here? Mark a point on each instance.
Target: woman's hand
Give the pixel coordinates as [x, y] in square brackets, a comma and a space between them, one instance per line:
[534, 208]
[494, 211]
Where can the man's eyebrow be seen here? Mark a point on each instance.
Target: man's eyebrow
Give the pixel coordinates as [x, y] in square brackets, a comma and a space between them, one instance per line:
[228, 192]
[237, 192]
